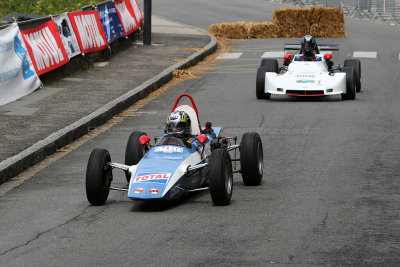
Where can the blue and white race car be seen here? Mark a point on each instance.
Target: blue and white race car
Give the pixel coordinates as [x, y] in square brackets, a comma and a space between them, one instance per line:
[171, 167]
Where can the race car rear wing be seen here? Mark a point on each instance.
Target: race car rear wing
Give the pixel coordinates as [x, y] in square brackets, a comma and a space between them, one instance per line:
[322, 47]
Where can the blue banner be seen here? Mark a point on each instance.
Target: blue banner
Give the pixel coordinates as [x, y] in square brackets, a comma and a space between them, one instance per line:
[110, 20]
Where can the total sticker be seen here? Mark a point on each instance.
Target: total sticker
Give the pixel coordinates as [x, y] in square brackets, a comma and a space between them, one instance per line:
[152, 178]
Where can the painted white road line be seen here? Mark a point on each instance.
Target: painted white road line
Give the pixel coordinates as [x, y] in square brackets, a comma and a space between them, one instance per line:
[230, 56]
[365, 54]
[273, 54]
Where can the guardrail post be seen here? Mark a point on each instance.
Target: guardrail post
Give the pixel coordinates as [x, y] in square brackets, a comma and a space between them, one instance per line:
[147, 22]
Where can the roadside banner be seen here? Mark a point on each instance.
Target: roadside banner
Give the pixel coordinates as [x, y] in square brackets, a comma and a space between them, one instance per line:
[17, 74]
[67, 35]
[109, 18]
[45, 47]
[127, 16]
[88, 30]
[137, 11]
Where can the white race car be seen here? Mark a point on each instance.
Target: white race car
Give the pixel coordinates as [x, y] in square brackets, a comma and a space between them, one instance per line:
[309, 78]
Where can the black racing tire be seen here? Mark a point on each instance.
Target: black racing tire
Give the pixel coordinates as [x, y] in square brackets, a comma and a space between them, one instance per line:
[350, 84]
[251, 159]
[356, 64]
[267, 65]
[98, 177]
[260, 84]
[270, 63]
[133, 151]
[220, 177]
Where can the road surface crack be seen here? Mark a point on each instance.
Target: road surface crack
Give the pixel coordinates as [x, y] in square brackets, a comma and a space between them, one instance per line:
[45, 232]
[262, 121]
[324, 220]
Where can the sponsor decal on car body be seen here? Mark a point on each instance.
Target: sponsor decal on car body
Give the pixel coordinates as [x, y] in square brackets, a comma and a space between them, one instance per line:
[305, 75]
[154, 191]
[169, 149]
[305, 81]
[161, 178]
[138, 190]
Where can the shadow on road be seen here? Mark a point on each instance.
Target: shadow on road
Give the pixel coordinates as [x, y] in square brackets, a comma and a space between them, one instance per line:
[159, 206]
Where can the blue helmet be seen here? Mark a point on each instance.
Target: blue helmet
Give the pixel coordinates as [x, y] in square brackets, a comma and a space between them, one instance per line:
[308, 44]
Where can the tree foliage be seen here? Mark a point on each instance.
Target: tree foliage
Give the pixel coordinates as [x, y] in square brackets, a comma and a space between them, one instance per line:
[43, 7]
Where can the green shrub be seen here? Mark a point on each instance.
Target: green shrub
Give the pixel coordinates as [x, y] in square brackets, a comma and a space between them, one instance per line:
[43, 7]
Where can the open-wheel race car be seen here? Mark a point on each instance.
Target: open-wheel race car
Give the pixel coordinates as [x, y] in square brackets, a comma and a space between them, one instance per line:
[315, 77]
[179, 162]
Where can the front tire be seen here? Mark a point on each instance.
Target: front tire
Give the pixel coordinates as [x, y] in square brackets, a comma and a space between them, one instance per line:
[356, 64]
[267, 65]
[133, 152]
[220, 177]
[251, 159]
[270, 63]
[350, 84]
[260, 84]
[98, 177]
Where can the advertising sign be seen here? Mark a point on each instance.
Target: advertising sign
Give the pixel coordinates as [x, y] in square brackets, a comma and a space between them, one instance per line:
[17, 74]
[45, 47]
[88, 30]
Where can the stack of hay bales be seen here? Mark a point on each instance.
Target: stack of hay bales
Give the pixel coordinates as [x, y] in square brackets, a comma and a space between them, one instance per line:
[292, 22]
[262, 30]
[287, 23]
[327, 22]
[236, 30]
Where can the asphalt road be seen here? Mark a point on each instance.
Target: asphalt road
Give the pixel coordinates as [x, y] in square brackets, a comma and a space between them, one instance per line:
[329, 196]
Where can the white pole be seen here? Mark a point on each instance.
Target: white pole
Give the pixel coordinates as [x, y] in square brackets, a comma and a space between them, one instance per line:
[384, 6]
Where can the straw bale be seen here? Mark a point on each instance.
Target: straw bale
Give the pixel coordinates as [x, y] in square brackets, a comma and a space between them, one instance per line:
[262, 30]
[287, 23]
[326, 15]
[328, 30]
[294, 31]
[236, 30]
[292, 16]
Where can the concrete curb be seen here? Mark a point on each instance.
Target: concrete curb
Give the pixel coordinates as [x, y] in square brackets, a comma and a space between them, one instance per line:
[37, 152]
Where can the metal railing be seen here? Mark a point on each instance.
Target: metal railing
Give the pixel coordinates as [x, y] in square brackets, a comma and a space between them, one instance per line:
[387, 11]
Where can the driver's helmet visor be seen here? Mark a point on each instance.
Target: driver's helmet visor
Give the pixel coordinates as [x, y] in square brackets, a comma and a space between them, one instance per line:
[175, 126]
[308, 46]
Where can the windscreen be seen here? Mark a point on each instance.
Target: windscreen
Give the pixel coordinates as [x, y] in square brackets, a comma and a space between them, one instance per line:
[169, 140]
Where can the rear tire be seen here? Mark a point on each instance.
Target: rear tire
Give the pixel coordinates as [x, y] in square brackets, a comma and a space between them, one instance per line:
[356, 64]
[350, 84]
[220, 177]
[267, 65]
[251, 159]
[133, 152]
[98, 177]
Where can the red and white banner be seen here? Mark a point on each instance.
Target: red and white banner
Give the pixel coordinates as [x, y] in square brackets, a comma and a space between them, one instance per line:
[127, 16]
[17, 74]
[137, 11]
[45, 47]
[88, 30]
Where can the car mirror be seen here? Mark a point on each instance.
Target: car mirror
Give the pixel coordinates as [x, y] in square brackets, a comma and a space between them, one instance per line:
[202, 139]
[328, 56]
[144, 139]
